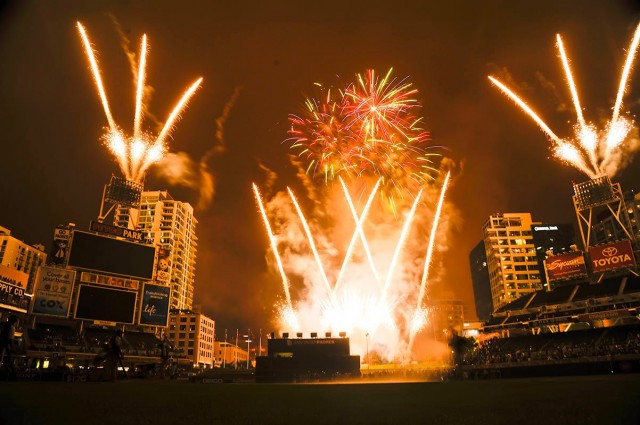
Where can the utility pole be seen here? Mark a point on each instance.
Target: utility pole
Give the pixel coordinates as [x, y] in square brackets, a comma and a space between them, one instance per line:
[224, 359]
[236, 348]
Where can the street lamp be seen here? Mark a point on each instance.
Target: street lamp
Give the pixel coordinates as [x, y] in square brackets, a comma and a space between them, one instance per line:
[248, 341]
[367, 339]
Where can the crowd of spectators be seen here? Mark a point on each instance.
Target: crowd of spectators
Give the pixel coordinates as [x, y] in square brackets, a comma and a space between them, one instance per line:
[555, 347]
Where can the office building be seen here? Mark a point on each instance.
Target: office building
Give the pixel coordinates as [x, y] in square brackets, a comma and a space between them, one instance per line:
[193, 333]
[551, 240]
[480, 282]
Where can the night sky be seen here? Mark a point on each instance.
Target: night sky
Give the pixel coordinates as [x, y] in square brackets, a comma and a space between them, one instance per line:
[270, 53]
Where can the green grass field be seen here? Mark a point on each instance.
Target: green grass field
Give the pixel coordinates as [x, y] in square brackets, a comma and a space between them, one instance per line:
[574, 400]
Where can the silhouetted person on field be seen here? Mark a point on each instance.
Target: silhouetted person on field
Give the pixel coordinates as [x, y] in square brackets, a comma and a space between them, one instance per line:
[114, 355]
[7, 341]
[165, 354]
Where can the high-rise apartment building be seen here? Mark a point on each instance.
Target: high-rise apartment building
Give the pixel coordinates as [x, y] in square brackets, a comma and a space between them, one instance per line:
[511, 257]
[171, 226]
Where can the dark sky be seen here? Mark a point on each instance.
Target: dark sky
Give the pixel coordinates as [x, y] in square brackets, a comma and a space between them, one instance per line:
[54, 168]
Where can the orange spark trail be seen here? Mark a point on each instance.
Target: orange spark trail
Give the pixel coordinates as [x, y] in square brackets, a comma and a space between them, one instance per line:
[96, 76]
[560, 145]
[311, 242]
[168, 126]
[158, 147]
[586, 134]
[432, 238]
[140, 89]
[527, 109]
[625, 75]
[399, 246]
[572, 86]
[274, 247]
[361, 232]
[420, 315]
[355, 236]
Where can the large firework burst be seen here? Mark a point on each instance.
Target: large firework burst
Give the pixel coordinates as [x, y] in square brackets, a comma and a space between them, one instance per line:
[369, 128]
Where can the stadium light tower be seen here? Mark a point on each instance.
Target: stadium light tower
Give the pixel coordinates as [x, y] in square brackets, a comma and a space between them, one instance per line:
[119, 192]
[595, 200]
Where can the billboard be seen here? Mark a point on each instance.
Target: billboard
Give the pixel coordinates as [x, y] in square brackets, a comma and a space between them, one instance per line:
[163, 265]
[13, 277]
[101, 279]
[154, 309]
[611, 256]
[53, 291]
[565, 266]
[60, 246]
[100, 253]
[105, 304]
[121, 232]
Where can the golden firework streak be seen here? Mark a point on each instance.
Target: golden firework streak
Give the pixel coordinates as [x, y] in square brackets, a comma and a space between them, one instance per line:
[311, 242]
[361, 232]
[427, 261]
[96, 76]
[274, 246]
[359, 224]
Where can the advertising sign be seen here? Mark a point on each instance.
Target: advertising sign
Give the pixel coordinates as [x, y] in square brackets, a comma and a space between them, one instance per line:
[13, 277]
[122, 232]
[611, 256]
[154, 309]
[93, 252]
[60, 246]
[53, 291]
[118, 282]
[163, 265]
[565, 266]
[8, 289]
[106, 304]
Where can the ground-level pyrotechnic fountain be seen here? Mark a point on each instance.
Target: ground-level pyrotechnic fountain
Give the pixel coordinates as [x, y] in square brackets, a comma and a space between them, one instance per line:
[358, 261]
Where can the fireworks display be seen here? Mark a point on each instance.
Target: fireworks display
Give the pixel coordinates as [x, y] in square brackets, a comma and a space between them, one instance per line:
[136, 153]
[369, 128]
[359, 269]
[593, 151]
[353, 295]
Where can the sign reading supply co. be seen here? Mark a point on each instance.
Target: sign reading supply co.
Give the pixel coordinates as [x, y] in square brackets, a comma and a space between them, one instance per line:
[611, 256]
[53, 291]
